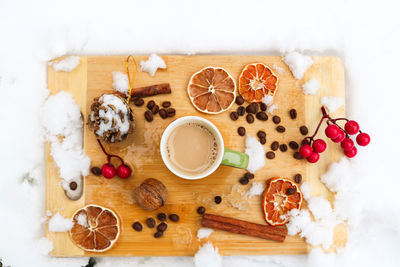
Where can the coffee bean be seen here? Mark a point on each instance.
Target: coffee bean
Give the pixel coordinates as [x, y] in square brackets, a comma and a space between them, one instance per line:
[249, 175]
[162, 227]
[249, 118]
[166, 104]
[252, 108]
[263, 141]
[158, 234]
[150, 222]
[137, 226]
[148, 115]
[173, 217]
[276, 119]
[298, 178]
[243, 180]
[293, 113]
[73, 186]
[217, 199]
[293, 145]
[283, 147]
[240, 111]
[234, 116]
[162, 216]
[262, 116]
[241, 131]
[201, 210]
[297, 155]
[139, 102]
[96, 171]
[290, 191]
[239, 100]
[163, 113]
[280, 129]
[261, 134]
[155, 109]
[171, 112]
[274, 145]
[150, 104]
[303, 130]
[263, 107]
[270, 155]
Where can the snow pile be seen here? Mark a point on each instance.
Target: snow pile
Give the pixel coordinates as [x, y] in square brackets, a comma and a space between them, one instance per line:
[58, 223]
[44, 246]
[207, 256]
[153, 63]
[297, 63]
[268, 100]
[256, 154]
[204, 232]
[332, 103]
[311, 87]
[256, 189]
[120, 82]
[278, 69]
[67, 64]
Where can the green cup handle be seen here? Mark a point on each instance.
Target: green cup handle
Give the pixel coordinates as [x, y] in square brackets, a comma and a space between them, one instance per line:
[235, 159]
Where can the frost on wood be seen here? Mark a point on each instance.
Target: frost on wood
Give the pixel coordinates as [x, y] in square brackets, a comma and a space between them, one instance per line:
[207, 256]
[67, 64]
[256, 154]
[256, 189]
[297, 63]
[204, 232]
[153, 63]
[58, 223]
[332, 103]
[311, 87]
[120, 82]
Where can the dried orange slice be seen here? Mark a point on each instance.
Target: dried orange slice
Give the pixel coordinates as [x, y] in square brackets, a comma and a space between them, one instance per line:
[212, 90]
[256, 81]
[95, 228]
[277, 201]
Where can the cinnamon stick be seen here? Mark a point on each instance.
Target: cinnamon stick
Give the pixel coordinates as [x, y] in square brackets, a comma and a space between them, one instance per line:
[156, 89]
[243, 227]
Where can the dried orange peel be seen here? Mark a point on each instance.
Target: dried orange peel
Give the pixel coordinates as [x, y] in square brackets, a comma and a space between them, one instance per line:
[277, 203]
[256, 81]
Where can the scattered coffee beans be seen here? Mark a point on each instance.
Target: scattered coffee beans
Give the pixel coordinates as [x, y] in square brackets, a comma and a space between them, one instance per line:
[234, 115]
[162, 227]
[163, 113]
[162, 216]
[158, 234]
[252, 108]
[240, 111]
[150, 222]
[241, 131]
[270, 155]
[96, 171]
[297, 155]
[148, 116]
[150, 104]
[155, 109]
[166, 104]
[201, 210]
[262, 116]
[249, 175]
[171, 112]
[137, 226]
[283, 147]
[239, 100]
[263, 141]
[280, 129]
[139, 102]
[250, 118]
[274, 145]
[261, 134]
[263, 107]
[244, 180]
[290, 191]
[73, 186]
[217, 199]
[276, 119]
[293, 145]
[298, 178]
[173, 217]
[293, 113]
[303, 130]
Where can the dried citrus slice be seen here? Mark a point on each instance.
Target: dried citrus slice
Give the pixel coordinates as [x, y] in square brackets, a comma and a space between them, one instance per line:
[95, 228]
[212, 90]
[256, 81]
[277, 200]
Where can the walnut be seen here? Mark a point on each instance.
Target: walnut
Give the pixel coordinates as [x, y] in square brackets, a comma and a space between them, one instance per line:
[151, 194]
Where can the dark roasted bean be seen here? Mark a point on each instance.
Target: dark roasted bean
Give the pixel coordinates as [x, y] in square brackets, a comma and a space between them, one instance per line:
[262, 116]
[280, 129]
[171, 112]
[148, 115]
[158, 234]
[150, 104]
[162, 227]
[249, 175]
[96, 171]
[139, 102]
[201, 210]
[241, 131]
[293, 113]
[173, 217]
[166, 104]
[150, 222]
[297, 155]
[263, 140]
[163, 113]
[73, 186]
[155, 109]
[217, 199]
[298, 178]
[303, 130]
[274, 145]
[162, 216]
[234, 116]
[261, 134]
[241, 111]
[137, 226]
[290, 191]
[270, 155]
[276, 119]
[243, 180]
[252, 108]
[239, 100]
[250, 118]
[263, 107]
[283, 147]
[293, 145]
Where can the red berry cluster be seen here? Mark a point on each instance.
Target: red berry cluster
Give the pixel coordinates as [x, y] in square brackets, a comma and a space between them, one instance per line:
[311, 148]
[108, 170]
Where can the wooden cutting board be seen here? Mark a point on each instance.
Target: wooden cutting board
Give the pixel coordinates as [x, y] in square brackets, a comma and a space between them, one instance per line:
[93, 77]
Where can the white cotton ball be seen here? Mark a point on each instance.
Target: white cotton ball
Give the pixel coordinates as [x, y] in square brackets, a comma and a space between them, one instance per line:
[153, 63]
[298, 63]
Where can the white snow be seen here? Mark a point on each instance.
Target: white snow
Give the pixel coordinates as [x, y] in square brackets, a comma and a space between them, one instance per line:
[58, 223]
[268, 100]
[67, 64]
[311, 87]
[332, 103]
[204, 232]
[278, 69]
[44, 246]
[297, 63]
[82, 219]
[271, 108]
[153, 63]
[256, 154]
[208, 256]
[120, 82]
[256, 189]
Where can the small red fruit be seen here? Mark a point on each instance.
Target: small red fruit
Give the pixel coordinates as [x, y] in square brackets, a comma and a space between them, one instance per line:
[319, 146]
[363, 139]
[351, 127]
[351, 153]
[108, 170]
[123, 171]
[332, 131]
[339, 138]
[347, 144]
[305, 151]
[314, 157]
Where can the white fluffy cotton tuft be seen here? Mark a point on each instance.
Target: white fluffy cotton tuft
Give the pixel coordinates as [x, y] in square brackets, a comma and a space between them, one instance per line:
[67, 64]
[311, 87]
[297, 63]
[256, 154]
[153, 63]
[332, 103]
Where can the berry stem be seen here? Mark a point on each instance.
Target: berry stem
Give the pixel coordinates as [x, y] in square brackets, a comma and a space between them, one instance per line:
[109, 156]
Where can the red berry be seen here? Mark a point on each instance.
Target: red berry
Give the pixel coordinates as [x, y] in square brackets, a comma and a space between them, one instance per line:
[351, 127]
[319, 146]
[351, 153]
[339, 138]
[123, 171]
[332, 131]
[108, 170]
[347, 144]
[314, 157]
[363, 139]
[305, 151]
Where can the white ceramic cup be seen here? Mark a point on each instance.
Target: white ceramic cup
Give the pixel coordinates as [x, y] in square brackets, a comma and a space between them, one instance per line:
[224, 156]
